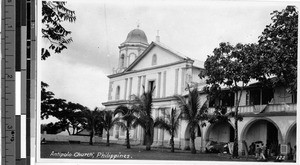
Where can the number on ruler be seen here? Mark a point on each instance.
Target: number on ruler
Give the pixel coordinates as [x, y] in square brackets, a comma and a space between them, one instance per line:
[12, 136]
[9, 76]
[9, 127]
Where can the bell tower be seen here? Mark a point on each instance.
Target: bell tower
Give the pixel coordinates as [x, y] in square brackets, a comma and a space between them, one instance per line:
[134, 45]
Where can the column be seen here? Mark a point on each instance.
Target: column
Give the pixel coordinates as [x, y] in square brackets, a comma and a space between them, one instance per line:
[164, 84]
[183, 85]
[161, 131]
[135, 134]
[176, 81]
[110, 90]
[128, 60]
[130, 88]
[125, 93]
[139, 86]
[144, 82]
[158, 84]
[155, 136]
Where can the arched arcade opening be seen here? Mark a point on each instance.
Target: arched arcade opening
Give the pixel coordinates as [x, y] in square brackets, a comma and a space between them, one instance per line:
[220, 132]
[291, 135]
[264, 130]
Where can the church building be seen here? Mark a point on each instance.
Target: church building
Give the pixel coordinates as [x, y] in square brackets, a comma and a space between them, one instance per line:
[150, 66]
[269, 114]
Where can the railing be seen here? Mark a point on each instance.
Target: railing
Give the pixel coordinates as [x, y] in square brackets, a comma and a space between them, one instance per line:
[262, 108]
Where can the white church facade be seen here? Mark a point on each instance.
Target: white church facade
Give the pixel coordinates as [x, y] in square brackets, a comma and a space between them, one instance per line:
[156, 65]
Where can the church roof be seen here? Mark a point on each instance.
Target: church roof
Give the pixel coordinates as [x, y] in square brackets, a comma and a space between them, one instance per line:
[166, 48]
[136, 36]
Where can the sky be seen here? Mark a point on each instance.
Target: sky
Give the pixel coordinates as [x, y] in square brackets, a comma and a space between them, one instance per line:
[193, 28]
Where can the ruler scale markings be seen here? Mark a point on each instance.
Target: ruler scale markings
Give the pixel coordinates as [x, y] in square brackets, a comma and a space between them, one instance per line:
[8, 72]
[31, 84]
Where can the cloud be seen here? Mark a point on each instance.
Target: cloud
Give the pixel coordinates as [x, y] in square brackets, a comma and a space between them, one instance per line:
[77, 83]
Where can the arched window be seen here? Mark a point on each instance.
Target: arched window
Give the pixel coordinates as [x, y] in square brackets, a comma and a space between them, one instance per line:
[118, 93]
[122, 60]
[154, 59]
[131, 58]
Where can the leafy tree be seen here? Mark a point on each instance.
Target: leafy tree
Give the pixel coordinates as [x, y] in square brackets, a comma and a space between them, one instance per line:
[143, 105]
[74, 116]
[53, 14]
[93, 119]
[59, 111]
[231, 67]
[108, 122]
[193, 112]
[278, 44]
[128, 116]
[171, 124]
[68, 114]
[53, 128]
[216, 97]
[46, 97]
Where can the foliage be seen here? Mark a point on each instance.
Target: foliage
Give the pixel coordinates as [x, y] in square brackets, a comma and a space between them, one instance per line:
[220, 114]
[128, 116]
[231, 67]
[68, 113]
[143, 105]
[54, 13]
[193, 112]
[93, 121]
[46, 97]
[278, 44]
[107, 121]
[53, 128]
[274, 55]
[170, 123]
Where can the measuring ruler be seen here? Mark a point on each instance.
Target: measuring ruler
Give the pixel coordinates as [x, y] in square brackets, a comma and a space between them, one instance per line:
[8, 82]
[16, 79]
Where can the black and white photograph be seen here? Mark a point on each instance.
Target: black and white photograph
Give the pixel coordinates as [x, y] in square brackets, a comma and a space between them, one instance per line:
[167, 81]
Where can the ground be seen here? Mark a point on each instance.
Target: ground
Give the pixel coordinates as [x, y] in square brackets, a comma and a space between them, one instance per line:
[117, 151]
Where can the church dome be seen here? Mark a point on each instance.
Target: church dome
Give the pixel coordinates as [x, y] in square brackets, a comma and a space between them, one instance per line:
[136, 36]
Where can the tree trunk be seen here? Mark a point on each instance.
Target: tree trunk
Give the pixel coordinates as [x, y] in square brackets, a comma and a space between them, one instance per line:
[127, 138]
[201, 131]
[73, 130]
[68, 131]
[107, 138]
[91, 137]
[193, 149]
[172, 143]
[235, 153]
[148, 141]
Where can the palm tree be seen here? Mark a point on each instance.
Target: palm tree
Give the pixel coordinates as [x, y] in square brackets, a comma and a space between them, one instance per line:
[192, 112]
[171, 125]
[143, 105]
[108, 122]
[127, 116]
[92, 119]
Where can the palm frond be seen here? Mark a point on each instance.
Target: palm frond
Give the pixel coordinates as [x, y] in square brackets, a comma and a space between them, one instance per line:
[138, 122]
[162, 124]
[121, 124]
[121, 109]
